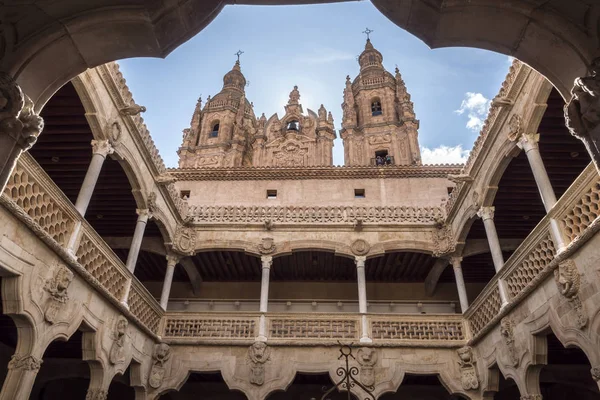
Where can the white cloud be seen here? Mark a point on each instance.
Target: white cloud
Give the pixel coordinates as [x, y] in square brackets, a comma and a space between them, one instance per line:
[476, 106]
[444, 155]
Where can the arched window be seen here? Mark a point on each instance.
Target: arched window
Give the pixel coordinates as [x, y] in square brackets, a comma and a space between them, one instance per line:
[293, 126]
[215, 130]
[376, 107]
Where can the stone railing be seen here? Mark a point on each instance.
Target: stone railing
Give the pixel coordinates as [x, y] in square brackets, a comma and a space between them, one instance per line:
[319, 215]
[535, 258]
[34, 198]
[290, 328]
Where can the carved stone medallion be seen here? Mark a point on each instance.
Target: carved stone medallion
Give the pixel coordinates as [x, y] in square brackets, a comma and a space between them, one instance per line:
[162, 353]
[57, 289]
[258, 354]
[367, 358]
[468, 372]
[185, 240]
[266, 246]
[117, 350]
[360, 247]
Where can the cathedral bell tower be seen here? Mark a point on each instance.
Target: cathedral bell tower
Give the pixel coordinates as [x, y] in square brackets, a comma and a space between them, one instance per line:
[221, 133]
[379, 126]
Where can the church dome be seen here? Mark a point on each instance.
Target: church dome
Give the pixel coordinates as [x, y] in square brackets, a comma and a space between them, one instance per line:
[234, 79]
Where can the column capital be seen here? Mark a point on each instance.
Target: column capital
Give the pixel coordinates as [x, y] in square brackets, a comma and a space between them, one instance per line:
[102, 147]
[486, 212]
[360, 261]
[172, 259]
[266, 261]
[528, 141]
[455, 261]
[28, 362]
[143, 214]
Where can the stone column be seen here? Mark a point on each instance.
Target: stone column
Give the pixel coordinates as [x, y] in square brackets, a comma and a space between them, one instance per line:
[362, 297]
[172, 261]
[134, 249]
[22, 371]
[487, 216]
[460, 283]
[19, 126]
[529, 143]
[100, 149]
[267, 262]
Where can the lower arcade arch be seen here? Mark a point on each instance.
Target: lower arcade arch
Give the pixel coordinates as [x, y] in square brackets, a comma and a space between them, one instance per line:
[205, 386]
[307, 386]
[421, 387]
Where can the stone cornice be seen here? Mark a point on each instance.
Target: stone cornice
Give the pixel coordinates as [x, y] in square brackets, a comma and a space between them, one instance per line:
[298, 173]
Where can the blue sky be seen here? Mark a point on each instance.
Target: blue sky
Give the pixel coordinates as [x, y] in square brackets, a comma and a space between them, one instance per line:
[315, 47]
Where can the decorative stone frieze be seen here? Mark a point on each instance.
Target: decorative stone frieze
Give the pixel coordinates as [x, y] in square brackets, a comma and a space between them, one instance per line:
[162, 353]
[184, 241]
[96, 394]
[57, 289]
[27, 363]
[117, 350]
[258, 355]
[508, 337]
[266, 246]
[360, 247]
[367, 358]
[396, 215]
[568, 281]
[468, 372]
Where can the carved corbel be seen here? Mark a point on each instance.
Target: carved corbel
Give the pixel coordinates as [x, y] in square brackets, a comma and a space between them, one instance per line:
[165, 179]
[468, 372]
[367, 358]
[268, 224]
[117, 350]
[460, 178]
[133, 109]
[162, 353]
[57, 287]
[508, 337]
[258, 355]
[568, 281]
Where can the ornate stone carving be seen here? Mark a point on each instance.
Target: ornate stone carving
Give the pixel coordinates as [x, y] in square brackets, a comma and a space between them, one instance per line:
[17, 117]
[133, 109]
[568, 281]
[443, 240]
[258, 355]
[532, 397]
[595, 371]
[57, 289]
[266, 246]
[367, 358]
[468, 372]
[102, 147]
[162, 353]
[515, 127]
[508, 337]
[290, 154]
[360, 247]
[185, 240]
[117, 350]
[28, 363]
[374, 140]
[151, 202]
[486, 212]
[582, 114]
[268, 224]
[96, 394]
[115, 131]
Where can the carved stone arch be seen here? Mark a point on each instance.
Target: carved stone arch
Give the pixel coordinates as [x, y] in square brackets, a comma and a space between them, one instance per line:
[415, 246]
[228, 245]
[14, 306]
[339, 249]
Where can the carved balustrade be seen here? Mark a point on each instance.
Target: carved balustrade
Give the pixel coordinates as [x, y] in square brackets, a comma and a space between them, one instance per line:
[316, 215]
[292, 328]
[535, 259]
[33, 197]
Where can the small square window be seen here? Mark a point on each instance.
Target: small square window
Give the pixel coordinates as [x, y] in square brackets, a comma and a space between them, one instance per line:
[359, 193]
[185, 194]
[271, 194]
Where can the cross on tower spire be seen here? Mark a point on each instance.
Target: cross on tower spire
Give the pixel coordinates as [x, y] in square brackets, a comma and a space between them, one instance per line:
[238, 54]
[368, 33]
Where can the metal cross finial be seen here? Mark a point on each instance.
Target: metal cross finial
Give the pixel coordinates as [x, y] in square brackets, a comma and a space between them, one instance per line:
[238, 54]
[368, 32]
